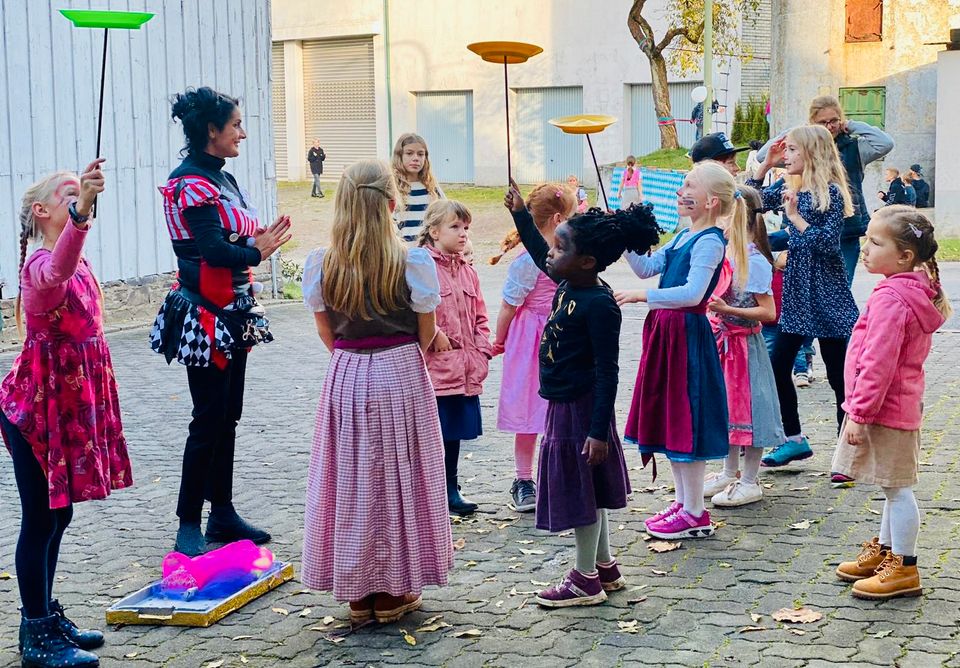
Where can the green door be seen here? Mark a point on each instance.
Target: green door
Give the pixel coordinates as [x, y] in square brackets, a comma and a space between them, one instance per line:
[866, 104]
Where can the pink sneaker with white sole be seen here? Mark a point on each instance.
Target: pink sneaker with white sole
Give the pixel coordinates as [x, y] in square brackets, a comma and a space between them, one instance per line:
[663, 514]
[682, 525]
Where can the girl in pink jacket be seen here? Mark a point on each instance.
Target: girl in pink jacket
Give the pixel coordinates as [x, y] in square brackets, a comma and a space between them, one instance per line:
[459, 357]
[883, 379]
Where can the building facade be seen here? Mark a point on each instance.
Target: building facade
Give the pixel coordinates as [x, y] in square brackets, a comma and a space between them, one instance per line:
[356, 75]
[877, 57]
[50, 74]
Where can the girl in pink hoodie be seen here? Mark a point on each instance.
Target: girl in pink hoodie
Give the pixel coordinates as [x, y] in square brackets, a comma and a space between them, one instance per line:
[880, 437]
[459, 356]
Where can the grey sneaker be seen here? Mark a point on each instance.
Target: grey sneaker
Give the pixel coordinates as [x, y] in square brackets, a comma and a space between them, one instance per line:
[524, 493]
[801, 379]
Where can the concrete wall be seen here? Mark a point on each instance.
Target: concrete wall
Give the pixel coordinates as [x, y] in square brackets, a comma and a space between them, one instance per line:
[811, 57]
[49, 78]
[948, 139]
[584, 47]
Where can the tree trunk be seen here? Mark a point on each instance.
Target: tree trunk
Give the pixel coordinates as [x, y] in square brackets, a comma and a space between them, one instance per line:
[661, 100]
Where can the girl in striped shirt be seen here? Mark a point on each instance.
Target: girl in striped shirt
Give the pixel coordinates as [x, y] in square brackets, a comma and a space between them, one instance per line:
[415, 182]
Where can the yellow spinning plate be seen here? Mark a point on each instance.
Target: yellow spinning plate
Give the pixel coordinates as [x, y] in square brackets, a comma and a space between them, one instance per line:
[513, 52]
[583, 124]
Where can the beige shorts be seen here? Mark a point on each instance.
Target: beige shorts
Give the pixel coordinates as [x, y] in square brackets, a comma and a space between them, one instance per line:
[887, 457]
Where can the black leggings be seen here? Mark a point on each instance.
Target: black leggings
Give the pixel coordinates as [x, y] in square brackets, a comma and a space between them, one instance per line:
[833, 352]
[41, 529]
[208, 456]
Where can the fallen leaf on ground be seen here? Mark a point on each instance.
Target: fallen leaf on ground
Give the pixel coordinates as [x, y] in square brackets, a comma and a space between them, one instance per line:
[748, 629]
[875, 512]
[5, 576]
[882, 634]
[305, 612]
[768, 485]
[469, 633]
[470, 564]
[629, 626]
[214, 664]
[236, 638]
[634, 601]
[799, 489]
[658, 572]
[719, 524]
[529, 552]
[646, 537]
[754, 617]
[459, 543]
[334, 639]
[433, 626]
[797, 615]
[540, 584]
[517, 565]
[525, 541]
[281, 611]
[724, 564]
[409, 638]
[797, 632]
[469, 455]
[329, 619]
[621, 527]
[805, 524]
[564, 534]
[663, 546]
[244, 659]
[130, 655]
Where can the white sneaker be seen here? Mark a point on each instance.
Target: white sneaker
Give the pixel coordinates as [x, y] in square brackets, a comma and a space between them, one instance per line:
[714, 483]
[738, 493]
[801, 380]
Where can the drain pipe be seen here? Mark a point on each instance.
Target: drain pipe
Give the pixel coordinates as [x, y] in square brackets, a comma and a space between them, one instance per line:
[386, 53]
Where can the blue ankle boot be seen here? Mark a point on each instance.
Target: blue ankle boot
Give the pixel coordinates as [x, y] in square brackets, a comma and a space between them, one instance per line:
[45, 646]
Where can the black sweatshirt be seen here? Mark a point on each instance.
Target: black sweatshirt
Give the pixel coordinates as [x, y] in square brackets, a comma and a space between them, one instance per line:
[580, 347]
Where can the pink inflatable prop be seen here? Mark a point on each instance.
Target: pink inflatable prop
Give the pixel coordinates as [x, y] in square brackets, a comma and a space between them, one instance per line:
[230, 567]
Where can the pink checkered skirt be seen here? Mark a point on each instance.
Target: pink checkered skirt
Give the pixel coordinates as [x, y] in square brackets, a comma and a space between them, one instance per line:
[376, 515]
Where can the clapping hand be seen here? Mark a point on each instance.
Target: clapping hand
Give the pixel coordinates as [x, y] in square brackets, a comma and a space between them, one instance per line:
[268, 240]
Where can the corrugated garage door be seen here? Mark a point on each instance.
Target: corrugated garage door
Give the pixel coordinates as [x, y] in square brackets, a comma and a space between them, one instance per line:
[338, 96]
[644, 131]
[445, 121]
[279, 89]
[541, 152]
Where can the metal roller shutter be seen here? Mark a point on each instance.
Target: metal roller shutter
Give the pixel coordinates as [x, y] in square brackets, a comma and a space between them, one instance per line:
[644, 131]
[338, 97]
[279, 90]
[445, 121]
[541, 152]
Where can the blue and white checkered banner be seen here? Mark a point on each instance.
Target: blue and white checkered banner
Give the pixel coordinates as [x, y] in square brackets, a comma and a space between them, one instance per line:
[660, 189]
[613, 191]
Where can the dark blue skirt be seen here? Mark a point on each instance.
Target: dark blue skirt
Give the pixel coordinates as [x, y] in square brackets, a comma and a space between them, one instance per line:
[459, 417]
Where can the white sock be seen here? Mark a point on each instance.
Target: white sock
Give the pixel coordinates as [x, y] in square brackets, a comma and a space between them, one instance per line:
[885, 525]
[732, 463]
[904, 520]
[692, 474]
[751, 465]
[796, 438]
[677, 482]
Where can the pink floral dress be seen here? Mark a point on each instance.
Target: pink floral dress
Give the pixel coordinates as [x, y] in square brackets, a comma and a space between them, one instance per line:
[62, 395]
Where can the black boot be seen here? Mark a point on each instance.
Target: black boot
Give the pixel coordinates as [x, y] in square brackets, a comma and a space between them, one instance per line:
[225, 526]
[451, 460]
[45, 646]
[84, 639]
[190, 540]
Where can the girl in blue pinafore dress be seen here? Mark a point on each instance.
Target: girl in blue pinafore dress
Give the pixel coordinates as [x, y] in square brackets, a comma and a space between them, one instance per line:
[679, 405]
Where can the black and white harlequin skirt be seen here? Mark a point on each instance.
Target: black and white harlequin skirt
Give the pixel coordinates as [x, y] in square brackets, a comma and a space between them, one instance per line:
[188, 333]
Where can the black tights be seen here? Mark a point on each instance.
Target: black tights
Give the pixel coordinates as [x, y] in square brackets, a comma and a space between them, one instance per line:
[785, 349]
[451, 458]
[41, 529]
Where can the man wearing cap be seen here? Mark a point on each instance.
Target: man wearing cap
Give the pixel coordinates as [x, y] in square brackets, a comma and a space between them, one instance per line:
[715, 146]
[921, 186]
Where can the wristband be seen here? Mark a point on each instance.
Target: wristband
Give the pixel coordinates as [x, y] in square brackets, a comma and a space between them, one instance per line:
[76, 217]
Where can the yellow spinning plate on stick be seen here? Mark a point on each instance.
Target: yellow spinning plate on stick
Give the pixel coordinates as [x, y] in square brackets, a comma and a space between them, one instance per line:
[508, 53]
[587, 124]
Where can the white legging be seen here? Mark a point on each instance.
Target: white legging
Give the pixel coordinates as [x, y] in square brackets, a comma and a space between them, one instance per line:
[900, 522]
[688, 481]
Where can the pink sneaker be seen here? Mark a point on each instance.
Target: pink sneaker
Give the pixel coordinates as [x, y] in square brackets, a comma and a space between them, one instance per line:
[664, 514]
[682, 525]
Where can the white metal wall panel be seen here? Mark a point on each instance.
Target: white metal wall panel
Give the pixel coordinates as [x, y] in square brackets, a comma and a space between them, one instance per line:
[541, 152]
[49, 79]
[279, 90]
[445, 121]
[644, 131]
[338, 97]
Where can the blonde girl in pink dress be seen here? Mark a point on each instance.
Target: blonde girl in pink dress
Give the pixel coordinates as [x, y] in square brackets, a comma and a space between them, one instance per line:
[527, 297]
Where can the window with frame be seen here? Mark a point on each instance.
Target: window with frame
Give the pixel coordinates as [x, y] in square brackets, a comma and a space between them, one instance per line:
[865, 103]
[864, 21]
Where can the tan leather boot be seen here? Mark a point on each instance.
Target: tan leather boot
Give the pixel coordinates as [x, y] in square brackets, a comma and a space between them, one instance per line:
[865, 565]
[893, 579]
[389, 608]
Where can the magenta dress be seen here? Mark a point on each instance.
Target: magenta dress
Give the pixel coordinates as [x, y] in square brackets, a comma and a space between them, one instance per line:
[522, 410]
[61, 392]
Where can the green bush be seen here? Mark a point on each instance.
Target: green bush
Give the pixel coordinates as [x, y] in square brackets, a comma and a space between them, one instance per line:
[749, 121]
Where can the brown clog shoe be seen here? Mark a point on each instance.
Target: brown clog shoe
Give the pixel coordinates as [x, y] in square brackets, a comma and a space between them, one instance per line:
[389, 608]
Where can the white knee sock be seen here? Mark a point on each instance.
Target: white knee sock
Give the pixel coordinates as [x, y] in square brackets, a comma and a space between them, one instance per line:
[692, 474]
[677, 482]
[751, 465]
[732, 463]
[884, 537]
[904, 520]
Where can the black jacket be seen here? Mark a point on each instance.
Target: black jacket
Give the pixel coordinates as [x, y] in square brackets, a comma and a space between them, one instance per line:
[316, 156]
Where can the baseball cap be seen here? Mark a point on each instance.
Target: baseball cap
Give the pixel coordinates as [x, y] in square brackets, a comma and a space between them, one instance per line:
[713, 146]
[916, 168]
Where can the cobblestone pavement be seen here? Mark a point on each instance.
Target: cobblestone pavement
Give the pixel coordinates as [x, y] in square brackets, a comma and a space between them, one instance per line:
[686, 607]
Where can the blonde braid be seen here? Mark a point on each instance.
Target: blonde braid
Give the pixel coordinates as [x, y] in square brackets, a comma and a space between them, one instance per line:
[940, 300]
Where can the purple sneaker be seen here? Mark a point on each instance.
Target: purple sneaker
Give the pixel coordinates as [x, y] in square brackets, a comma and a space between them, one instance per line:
[575, 589]
[682, 525]
[610, 576]
[663, 514]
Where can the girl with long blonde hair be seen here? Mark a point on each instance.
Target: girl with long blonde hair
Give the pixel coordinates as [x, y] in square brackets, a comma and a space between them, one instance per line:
[817, 301]
[416, 185]
[377, 457]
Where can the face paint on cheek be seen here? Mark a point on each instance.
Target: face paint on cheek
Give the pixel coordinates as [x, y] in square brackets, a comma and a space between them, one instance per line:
[65, 192]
